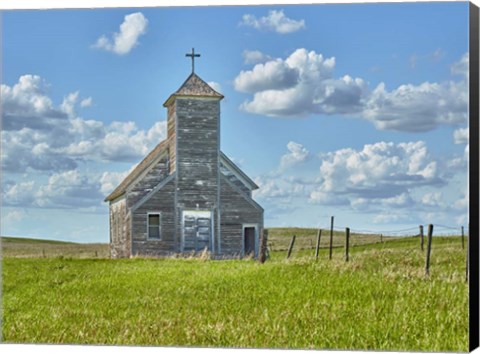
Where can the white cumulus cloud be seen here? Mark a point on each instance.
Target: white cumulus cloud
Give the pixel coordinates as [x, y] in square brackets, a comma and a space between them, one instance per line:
[269, 188]
[303, 84]
[392, 182]
[254, 57]
[17, 194]
[66, 189]
[461, 67]
[297, 154]
[133, 26]
[69, 189]
[110, 180]
[273, 75]
[434, 199]
[460, 136]
[417, 108]
[383, 172]
[69, 103]
[86, 102]
[275, 21]
[37, 135]
[27, 104]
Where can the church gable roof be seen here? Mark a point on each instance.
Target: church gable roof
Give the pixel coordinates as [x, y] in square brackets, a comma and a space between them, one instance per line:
[137, 171]
[159, 150]
[194, 86]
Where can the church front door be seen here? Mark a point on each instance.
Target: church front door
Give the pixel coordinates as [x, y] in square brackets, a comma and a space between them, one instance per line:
[196, 230]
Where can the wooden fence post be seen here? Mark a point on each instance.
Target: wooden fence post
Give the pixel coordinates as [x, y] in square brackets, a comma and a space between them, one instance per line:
[291, 247]
[381, 238]
[263, 246]
[463, 239]
[347, 242]
[429, 248]
[421, 237]
[318, 243]
[331, 236]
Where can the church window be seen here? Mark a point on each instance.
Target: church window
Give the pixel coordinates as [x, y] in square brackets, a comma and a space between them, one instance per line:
[154, 226]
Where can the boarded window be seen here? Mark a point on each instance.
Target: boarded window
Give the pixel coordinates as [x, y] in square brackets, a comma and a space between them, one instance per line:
[154, 226]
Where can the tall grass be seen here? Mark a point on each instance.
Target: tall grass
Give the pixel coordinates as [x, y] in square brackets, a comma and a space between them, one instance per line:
[380, 300]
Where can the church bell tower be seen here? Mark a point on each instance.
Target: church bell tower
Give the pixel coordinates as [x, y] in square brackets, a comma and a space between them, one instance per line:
[194, 153]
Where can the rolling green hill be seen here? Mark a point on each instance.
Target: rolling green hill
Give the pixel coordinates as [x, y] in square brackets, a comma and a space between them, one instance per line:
[28, 247]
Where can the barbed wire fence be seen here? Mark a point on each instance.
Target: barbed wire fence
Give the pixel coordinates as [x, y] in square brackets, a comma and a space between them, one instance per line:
[305, 240]
[334, 236]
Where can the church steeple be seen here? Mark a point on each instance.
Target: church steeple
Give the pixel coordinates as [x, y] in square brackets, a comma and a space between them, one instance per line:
[193, 86]
[194, 116]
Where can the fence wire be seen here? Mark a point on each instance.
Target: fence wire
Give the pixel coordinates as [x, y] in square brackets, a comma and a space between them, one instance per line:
[306, 239]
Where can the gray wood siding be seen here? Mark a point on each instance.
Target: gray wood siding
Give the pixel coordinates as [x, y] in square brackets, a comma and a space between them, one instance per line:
[235, 211]
[154, 176]
[197, 156]
[119, 230]
[162, 201]
[232, 239]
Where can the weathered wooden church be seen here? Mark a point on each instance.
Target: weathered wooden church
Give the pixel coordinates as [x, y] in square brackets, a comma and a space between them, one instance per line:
[186, 195]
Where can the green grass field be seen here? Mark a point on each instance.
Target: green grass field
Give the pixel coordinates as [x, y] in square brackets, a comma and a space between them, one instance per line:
[380, 300]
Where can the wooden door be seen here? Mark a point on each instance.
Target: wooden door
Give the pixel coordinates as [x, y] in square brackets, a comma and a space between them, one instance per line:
[249, 234]
[197, 231]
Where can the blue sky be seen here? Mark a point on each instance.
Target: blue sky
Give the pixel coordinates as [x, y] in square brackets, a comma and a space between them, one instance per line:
[352, 110]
